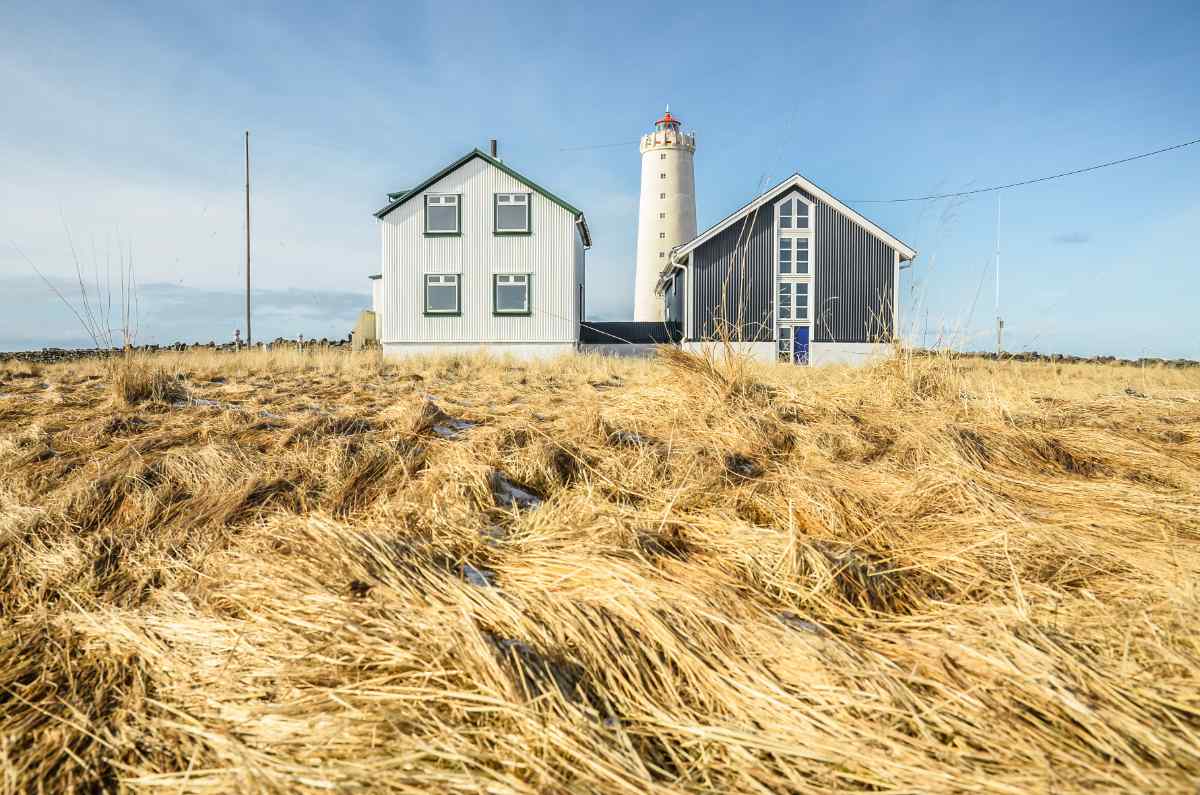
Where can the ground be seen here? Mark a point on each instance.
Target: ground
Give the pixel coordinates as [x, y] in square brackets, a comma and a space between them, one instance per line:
[291, 572]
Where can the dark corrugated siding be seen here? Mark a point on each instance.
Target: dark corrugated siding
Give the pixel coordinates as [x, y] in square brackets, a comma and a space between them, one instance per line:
[853, 281]
[615, 332]
[733, 280]
[853, 278]
[673, 298]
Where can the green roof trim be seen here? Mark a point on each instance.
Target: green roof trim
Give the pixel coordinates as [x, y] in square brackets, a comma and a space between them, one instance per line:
[400, 198]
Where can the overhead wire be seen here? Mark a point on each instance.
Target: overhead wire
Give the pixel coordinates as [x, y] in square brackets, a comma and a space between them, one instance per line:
[1060, 175]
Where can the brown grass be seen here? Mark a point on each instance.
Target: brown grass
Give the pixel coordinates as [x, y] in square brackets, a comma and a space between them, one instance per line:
[279, 572]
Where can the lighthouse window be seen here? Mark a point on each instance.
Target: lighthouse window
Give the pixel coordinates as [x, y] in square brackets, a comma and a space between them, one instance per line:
[662, 215]
[512, 213]
[662, 176]
[662, 235]
[441, 214]
[662, 156]
[662, 195]
[441, 294]
[510, 294]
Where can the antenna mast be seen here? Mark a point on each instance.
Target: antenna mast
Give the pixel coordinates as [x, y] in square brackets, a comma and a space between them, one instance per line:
[248, 337]
[999, 320]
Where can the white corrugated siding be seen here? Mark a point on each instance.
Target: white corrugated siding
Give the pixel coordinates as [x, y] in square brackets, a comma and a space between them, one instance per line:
[550, 254]
[377, 305]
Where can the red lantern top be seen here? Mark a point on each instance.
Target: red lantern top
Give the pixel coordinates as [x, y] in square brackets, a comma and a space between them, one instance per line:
[667, 122]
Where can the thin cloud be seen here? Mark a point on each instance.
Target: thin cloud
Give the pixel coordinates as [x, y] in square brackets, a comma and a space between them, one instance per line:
[1072, 238]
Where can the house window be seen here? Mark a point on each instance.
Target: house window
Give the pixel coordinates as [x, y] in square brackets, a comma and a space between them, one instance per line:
[801, 300]
[785, 255]
[510, 294]
[442, 294]
[793, 214]
[793, 301]
[784, 344]
[442, 214]
[512, 213]
[800, 256]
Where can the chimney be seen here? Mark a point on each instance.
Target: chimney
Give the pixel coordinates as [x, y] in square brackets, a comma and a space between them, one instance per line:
[492, 146]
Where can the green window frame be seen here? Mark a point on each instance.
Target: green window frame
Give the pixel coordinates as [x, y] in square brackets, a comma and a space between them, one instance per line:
[511, 200]
[442, 280]
[509, 280]
[442, 200]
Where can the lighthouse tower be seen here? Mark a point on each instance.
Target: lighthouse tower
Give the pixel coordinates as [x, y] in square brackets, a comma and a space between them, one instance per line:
[667, 212]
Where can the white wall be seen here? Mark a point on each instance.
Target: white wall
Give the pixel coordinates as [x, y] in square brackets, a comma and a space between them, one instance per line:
[517, 350]
[761, 351]
[377, 305]
[852, 353]
[552, 254]
[620, 350]
[819, 353]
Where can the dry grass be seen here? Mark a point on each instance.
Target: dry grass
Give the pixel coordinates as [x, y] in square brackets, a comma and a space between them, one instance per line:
[296, 576]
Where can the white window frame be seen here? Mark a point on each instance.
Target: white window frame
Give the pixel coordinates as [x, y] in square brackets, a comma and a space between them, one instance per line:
[443, 200]
[512, 199]
[510, 279]
[783, 343]
[797, 200]
[441, 279]
[792, 290]
[784, 326]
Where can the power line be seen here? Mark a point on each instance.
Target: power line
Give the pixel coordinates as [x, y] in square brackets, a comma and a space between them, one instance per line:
[599, 146]
[1027, 181]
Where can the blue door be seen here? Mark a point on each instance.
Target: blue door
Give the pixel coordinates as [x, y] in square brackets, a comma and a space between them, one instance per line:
[800, 345]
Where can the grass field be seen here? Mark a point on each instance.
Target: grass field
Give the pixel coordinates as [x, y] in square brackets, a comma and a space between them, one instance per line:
[287, 572]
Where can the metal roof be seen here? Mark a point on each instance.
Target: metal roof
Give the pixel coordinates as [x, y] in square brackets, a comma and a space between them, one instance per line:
[474, 153]
[796, 181]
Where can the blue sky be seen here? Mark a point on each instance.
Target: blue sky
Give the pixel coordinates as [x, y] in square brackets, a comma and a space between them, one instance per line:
[123, 124]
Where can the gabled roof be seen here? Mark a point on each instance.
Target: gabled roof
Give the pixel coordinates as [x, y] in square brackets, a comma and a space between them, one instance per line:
[791, 183]
[401, 198]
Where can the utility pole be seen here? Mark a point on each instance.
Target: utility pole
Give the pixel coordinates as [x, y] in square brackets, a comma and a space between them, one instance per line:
[248, 336]
[999, 320]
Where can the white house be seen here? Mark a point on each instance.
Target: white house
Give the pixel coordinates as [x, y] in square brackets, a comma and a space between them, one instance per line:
[478, 256]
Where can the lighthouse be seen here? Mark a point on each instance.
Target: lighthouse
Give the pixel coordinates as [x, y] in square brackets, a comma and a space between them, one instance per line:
[667, 211]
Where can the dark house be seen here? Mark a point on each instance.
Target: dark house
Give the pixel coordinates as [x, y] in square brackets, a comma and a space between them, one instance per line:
[795, 275]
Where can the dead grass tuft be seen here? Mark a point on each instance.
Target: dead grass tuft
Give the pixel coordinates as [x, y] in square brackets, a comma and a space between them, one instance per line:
[138, 379]
[325, 572]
